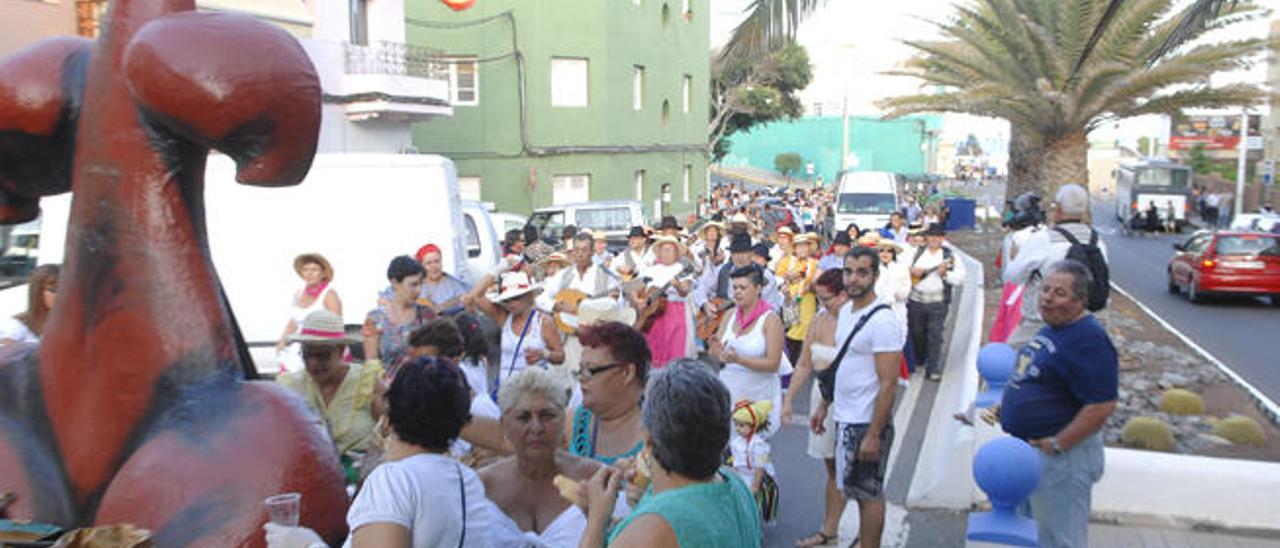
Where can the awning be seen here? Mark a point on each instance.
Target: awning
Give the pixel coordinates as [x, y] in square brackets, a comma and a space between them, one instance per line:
[291, 15]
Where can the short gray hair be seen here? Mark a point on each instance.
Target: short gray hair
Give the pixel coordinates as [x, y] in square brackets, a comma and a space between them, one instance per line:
[687, 413]
[1073, 200]
[533, 380]
[1081, 278]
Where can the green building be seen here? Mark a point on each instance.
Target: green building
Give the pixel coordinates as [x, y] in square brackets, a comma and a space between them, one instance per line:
[571, 100]
[905, 145]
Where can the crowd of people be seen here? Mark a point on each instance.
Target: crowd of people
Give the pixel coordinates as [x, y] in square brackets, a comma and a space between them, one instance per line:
[635, 394]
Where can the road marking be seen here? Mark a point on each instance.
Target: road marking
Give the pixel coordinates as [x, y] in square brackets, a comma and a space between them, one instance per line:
[1268, 407]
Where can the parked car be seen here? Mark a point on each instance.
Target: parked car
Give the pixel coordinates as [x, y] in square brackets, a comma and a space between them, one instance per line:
[1236, 263]
[505, 222]
[613, 217]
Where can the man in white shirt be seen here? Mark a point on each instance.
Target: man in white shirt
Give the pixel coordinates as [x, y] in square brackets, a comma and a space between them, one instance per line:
[861, 396]
[583, 275]
[1043, 248]
[637, 256]
[935, 272]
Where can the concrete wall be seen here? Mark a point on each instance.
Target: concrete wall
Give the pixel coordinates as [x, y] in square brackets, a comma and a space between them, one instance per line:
[614, 36]
[25, 21]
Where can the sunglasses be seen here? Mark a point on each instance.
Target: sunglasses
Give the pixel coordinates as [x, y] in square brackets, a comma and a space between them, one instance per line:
[587, 373]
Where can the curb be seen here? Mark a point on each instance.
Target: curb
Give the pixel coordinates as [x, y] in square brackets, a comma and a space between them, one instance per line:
[1264, 403]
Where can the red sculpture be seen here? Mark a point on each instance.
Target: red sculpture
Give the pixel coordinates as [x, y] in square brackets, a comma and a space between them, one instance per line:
[134, 408]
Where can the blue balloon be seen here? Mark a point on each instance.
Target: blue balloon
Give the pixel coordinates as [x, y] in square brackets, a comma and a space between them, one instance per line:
[996, 363]
[1007, 470]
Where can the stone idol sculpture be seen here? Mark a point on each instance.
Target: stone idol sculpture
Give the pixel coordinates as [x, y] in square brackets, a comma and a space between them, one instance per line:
[135, 407]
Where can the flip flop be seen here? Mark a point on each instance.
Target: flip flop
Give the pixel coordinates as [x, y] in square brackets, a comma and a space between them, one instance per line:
[818, 538]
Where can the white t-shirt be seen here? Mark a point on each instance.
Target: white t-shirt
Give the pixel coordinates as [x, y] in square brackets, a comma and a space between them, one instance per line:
[13, 329]
[856, 380]
[421, 494]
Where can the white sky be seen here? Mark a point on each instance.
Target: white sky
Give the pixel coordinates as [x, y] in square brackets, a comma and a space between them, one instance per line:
[851, 42]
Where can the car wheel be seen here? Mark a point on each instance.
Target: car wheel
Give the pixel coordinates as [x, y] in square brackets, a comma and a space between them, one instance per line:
[1173, 286]
[1193, 293]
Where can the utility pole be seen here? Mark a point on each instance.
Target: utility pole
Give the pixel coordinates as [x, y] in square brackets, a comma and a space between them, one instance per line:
[1241, 164]
[844, 135]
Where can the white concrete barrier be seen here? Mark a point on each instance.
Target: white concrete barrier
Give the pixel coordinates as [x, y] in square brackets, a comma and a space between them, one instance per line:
[1146, 487]
[944, 471]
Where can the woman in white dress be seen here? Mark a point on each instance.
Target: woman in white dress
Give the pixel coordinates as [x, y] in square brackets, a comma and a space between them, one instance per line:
[894, 284]
[529, 336]
[750, 345]
[42, 288]
[316, 293]
[527, 507]
[820, 347]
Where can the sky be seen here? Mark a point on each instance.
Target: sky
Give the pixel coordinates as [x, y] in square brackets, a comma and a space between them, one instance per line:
[852, 42]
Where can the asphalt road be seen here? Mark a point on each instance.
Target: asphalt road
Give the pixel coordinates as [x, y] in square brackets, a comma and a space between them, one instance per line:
[1239, 331]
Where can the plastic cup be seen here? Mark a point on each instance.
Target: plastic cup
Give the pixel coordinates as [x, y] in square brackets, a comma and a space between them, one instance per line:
[284, 509]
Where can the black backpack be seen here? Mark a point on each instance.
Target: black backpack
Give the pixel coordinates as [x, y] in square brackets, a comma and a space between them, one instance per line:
[1090, 255]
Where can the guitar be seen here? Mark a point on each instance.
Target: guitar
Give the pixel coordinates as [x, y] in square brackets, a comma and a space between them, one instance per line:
[567, 322]
[709, 323]
[916, 279]
[656, 301]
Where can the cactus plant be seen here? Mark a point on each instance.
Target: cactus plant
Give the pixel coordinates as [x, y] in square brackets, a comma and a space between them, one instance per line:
[1240, 430]
[1178, 401]
[1148, 433]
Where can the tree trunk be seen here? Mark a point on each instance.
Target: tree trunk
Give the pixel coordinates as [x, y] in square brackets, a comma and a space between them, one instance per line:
[1066, 161]
[1026, 160]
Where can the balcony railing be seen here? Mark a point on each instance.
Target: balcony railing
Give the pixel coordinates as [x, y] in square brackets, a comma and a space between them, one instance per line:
[396, 59]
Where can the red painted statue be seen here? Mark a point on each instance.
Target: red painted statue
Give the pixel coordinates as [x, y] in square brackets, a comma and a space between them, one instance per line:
[134, 408]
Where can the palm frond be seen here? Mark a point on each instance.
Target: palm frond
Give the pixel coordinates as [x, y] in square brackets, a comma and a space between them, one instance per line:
[1194, 18]
[768, 22]
[1230, 96]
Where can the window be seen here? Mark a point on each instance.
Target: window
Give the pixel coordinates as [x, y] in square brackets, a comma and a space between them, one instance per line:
[637, 87]
[853, 202]
[568, 189]
[686, 93]
[639, 185]
[473, 236]
[469, 188]
[568, 82]
[688, 170]
[687, 10]
[464, 81]
[611, 219]
[549, 223]
[666, 112]
[360, 22]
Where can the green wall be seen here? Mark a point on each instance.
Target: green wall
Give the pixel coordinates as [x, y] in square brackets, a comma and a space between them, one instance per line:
[614, 36]
[881, 145]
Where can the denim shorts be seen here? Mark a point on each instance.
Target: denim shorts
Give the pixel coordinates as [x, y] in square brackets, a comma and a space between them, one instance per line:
[861, 480]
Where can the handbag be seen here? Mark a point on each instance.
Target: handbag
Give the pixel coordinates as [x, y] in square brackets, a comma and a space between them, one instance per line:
[827, 377]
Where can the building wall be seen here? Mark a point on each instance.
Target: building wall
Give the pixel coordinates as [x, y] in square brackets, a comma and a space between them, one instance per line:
[607, 139]
[25, 21]
[898, 146]
[1271, 122]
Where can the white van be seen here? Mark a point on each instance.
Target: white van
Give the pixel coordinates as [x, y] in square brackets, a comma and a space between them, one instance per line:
[866, 198]
[613, 217]
[358, 210]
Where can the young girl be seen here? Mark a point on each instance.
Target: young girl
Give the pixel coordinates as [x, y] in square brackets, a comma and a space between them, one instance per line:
[750, 454]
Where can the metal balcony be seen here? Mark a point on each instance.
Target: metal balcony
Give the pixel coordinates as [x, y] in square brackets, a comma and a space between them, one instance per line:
[393, 81]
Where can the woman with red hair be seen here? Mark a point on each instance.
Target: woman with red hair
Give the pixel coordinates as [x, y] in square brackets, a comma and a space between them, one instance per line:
[440, 290]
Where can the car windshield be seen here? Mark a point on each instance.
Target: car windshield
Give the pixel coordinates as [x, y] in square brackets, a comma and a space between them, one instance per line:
[1249, 245]
[866, 203]
[548, 223]
[1175, 178]
[611, 219]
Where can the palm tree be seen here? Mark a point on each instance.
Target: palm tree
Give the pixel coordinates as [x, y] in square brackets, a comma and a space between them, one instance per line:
[1057, 69]
[768, 25]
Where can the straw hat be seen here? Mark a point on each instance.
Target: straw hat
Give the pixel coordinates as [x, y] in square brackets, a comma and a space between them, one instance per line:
[712, 224]
[806, 238]
[739, 218]
[662, 239]
[598, 236]
[556, 257]
[514, 284]
[313, 258]
[604, 309]
[885, 242]
[322, 326]
[870, 239]
[785, 231]
[754, 413]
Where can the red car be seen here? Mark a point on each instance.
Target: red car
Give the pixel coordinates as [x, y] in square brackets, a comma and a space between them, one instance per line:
[1235, 263]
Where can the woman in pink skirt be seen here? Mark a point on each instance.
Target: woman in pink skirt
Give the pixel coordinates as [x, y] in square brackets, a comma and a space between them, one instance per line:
[671, 334]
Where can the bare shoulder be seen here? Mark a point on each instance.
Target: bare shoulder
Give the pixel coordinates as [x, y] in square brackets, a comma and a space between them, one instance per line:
[647, 530]
[497, 472]
[576, 467]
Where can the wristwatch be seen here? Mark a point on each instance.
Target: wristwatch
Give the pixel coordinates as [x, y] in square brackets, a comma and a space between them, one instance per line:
[1053, 444]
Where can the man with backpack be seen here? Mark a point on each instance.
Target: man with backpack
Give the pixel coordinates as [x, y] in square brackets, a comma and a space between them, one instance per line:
[1070, 237]
[934, 271]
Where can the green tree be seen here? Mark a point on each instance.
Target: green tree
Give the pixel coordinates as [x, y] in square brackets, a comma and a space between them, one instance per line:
[1057, 69]
[746, 93]
[1200, 162]
[788, 163]
[1146, 146]
[970, 146]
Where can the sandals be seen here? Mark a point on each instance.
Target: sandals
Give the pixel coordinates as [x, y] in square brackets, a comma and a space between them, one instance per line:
[818, 538]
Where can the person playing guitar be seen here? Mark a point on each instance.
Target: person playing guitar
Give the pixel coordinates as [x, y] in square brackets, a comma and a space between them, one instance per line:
[713, 293]
[670, 324]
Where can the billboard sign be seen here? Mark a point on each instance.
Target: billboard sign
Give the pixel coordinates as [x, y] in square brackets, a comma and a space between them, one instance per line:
[1214, 131]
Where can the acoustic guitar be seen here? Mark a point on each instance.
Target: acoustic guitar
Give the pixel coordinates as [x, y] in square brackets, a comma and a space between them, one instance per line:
[709, 323]
[567, 322]
[656, 301]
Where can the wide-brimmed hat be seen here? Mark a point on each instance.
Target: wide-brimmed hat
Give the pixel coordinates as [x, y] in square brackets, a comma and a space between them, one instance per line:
[322, 326]
[712, 224]
[755, 413]
[556, 257]
[740, 243]
[806, 238]
[514, 284]
[669, 223]
[637, 232]
[659, 240]
[870, 239]
[313, 258]
[842, 238]
[785, 231]
[886, 242]
[604, 309]
[935, 230]
[761, 250]
[599, 236]
[739, 218]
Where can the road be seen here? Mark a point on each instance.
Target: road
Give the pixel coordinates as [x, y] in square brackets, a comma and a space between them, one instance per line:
[1236, 330]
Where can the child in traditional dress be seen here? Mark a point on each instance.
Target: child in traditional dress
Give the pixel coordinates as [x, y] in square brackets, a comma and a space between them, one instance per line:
[750, 451]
